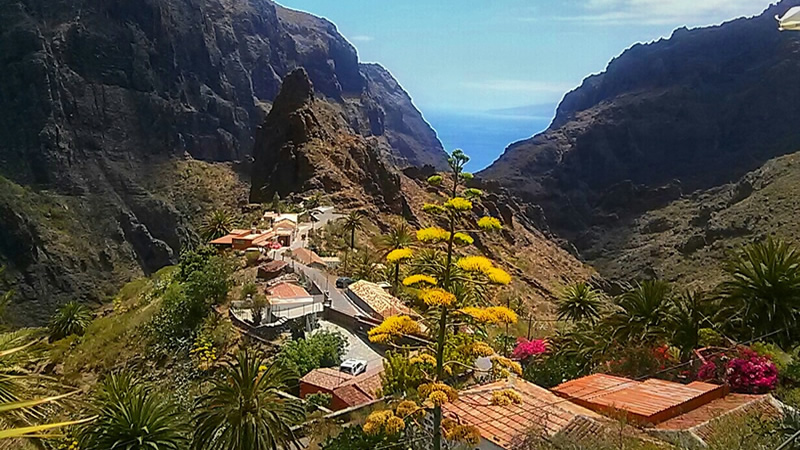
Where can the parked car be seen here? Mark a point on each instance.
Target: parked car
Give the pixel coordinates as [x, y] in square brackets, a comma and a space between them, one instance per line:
[343, 282]
[353, 366]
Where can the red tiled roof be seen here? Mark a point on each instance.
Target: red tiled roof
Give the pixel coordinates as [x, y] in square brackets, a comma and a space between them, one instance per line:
[350, 390]
[732, 403]
[326, 378]
[228, 238]
[273, 266]
[287, 290]
[307, 257]
[650, 401]
[508, 425]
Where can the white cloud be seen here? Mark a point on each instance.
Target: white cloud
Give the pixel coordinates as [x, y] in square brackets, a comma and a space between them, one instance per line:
[522, 86]
[361, 38]
[661, 12]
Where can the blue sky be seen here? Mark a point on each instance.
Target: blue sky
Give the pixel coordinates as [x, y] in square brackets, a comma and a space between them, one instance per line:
[475, 55]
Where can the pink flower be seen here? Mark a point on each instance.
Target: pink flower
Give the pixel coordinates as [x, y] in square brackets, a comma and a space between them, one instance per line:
[526, 349]
[751, 373]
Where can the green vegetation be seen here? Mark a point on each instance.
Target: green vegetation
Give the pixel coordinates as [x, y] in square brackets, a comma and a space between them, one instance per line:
[218, 224]
[350, 224]
[322, 349]
[71, 318]
[580, 302]
[130, 417]
[243, 410]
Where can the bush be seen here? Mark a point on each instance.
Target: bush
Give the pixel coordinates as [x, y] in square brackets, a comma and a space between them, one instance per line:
[72, 318]
[399, 376]
[553, 370]
[526, 349]
[316, 399]
[746, 371]
[642, 360]
[322, 349]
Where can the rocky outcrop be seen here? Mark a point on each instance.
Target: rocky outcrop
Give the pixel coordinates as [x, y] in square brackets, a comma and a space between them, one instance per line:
[691, 112]
[97, 96]
[306, 144]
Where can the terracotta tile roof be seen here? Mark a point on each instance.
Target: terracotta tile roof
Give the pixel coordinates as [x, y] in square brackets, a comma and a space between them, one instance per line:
[349, 389]
[272, 266]
[382, 302]
[287, 291]
[508, 425]
[307, 257]
[228, 238]
[326, 378]
[650, 401]
[737, 404]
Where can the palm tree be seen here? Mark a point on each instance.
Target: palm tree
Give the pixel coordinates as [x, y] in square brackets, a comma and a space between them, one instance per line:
[762, 292]
[131, 418]
[580, 302]
[399, 237]
[216, 225]
[642, 312]
[352, 222]
[687, 316]
[72, 318]
[243, 410]
[17, 414]
[364, 266]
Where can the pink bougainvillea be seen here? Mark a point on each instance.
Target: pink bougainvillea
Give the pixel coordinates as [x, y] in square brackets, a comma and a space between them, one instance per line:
[747, 372]
[752, 373]
[526, 349]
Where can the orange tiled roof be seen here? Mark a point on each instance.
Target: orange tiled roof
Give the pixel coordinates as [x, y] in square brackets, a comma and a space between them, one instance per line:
[326, 378]
[287, 290]
[650, 401]
[306, 256]
[228, 238]
[508, 425]
[382, 302]
[732, 403]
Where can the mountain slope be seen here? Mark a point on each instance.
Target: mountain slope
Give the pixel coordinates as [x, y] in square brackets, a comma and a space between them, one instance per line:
[102, 102]
[691, 112]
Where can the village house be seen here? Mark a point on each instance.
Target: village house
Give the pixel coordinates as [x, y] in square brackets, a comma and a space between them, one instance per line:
[291, 301]
[271, 270]
[683, 414]
[244, 239]
[373, 299]
[346, 390]
[307, 257]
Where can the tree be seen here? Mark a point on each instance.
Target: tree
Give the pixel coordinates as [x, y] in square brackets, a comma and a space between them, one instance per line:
[244, 411]
[219, 223]
[580, 302]
[453, 291]
[259, 303]
[687, 316]
[276, 202]
[352, 223]
[322, 349]
[364, 266]
[641, 313]
[20, 402]
[396, 245]
[129, 417]
[71, 318]
[762, 292]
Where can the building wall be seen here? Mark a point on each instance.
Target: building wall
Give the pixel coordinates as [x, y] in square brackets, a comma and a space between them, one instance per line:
[336, 403]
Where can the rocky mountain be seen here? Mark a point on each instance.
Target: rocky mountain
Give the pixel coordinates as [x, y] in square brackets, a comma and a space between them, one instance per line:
[111, 112]
[665, 119]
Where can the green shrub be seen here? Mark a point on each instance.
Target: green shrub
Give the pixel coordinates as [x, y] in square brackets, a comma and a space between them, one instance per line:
[72, 318]
[316, 399]
[553, 370]
[322, 349]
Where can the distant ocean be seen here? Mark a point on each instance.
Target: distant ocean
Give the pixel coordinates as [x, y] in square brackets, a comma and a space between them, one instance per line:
[484, 136]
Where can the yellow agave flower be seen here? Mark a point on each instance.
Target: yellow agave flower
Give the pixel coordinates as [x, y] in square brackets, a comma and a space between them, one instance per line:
[480, 349]
[433, 235]
[498, 276]
[506, 397]
[503, 365]
[393, 327]
[437, 297]
[463, 239]
[475, 264]
[416, 279]
[407, 408]
[398, 255]
[458, 204]
[423, 358]
[383, 420]
[489, 223]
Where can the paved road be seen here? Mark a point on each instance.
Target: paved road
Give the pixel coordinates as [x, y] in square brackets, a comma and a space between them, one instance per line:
[325, 281]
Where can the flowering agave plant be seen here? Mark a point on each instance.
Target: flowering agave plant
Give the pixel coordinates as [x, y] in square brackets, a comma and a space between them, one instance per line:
[455, 291]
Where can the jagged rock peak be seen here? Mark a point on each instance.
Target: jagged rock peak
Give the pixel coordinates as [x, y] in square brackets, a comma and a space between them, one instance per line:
[296, 92]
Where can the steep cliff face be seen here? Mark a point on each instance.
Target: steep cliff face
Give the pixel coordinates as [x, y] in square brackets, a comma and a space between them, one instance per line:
[101, 100]
[691, 112]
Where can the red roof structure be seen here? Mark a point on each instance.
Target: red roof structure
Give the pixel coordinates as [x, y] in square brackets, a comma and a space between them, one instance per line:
[308, 257]
[506, 426]
[347, 391]
[283, 291]
[648, 402]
